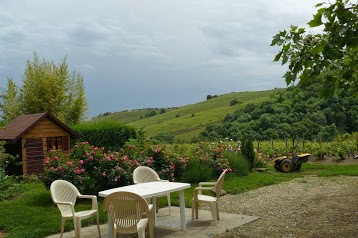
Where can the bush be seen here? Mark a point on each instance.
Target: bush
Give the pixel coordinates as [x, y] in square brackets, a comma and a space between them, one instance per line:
[111, 135]
[198, 171]
[164, 137]
[234, 102]
[212, 154]
[92, 169]
[13, 165]
[248, 151]
[238, 164]
[8, 186]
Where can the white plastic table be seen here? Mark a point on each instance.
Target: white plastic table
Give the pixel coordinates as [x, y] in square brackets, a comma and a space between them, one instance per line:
[153, 190]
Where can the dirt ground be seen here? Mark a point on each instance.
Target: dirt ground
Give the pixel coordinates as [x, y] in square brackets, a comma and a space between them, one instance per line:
[305, 207]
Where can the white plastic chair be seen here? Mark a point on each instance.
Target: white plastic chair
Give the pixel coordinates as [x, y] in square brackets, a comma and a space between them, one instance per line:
[129, 213]
[144, 174]
[64, 194]
[212, 201]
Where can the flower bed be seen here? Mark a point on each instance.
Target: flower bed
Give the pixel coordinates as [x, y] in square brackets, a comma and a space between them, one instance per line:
[92, 169]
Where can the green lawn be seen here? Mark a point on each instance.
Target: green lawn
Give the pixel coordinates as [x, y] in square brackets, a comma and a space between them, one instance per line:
[32, 214]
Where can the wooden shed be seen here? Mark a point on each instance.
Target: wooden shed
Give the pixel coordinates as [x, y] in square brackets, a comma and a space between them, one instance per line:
[32, 136]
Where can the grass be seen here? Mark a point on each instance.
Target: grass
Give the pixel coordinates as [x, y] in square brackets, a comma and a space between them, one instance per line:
[188, 121]
[32, 214]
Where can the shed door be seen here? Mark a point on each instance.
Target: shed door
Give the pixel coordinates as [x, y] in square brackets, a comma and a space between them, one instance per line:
[34, 155]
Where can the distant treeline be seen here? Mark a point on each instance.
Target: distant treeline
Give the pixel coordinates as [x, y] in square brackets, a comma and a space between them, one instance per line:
[300, 112]
[134, 110]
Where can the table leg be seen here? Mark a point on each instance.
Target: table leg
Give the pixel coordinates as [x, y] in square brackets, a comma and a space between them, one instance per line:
[182, 210]
[154, 199]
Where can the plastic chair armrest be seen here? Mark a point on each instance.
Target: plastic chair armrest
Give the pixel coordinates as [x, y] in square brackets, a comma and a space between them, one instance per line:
[64, 203]
[94, 200]
[207, 184]
[198, 190]
[87, 196]
[203, 188]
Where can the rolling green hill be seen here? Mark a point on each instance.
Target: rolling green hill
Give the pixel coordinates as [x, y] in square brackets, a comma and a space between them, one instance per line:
[129, 115]
[188, 121]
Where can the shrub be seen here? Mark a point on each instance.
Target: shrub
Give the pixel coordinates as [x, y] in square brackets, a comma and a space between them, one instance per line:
[198, 171]
[92, 169]
[8, 186]
[238, 164]
[111, 135]
[212, 154]
[248, 151]
[13, 165]
[165, 137]
[234, 102]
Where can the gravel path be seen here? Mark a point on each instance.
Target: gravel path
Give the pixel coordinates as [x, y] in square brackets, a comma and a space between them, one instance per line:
[304, 207]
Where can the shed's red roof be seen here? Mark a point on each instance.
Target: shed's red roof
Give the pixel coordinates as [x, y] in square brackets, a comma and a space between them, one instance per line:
[18, 127]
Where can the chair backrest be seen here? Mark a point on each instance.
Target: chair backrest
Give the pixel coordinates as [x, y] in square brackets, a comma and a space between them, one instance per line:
[219, 184]
[63, 191]
[125, 209]
[144, 174]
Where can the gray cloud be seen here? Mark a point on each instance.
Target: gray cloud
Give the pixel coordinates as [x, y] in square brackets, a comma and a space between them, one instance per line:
[135, 53]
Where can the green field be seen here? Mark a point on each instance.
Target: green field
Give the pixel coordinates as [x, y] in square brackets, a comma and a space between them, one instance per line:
[188, 121]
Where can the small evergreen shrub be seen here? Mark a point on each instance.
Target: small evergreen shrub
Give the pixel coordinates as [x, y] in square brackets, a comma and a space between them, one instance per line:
[248, 152]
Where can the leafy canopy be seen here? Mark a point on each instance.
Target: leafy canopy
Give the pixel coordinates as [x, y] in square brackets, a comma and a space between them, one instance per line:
[47, 87]
[333, 51]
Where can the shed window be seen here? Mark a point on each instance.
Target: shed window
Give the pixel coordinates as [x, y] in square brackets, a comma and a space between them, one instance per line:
[57, 143]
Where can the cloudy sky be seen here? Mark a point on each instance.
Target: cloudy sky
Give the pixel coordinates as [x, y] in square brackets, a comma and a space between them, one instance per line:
[151, 53]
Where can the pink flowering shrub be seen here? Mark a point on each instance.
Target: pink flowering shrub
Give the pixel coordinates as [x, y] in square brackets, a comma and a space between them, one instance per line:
[213, 155]
[92, 169]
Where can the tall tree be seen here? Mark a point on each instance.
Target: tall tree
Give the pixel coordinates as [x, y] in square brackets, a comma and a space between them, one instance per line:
[44, 87]
[9, 102]
[48, 87]
[76, 104]
[334, 51]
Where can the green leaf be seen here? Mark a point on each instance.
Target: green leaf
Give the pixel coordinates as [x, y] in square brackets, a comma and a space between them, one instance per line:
[278, 56]
[307, 63]
[288, 77]
[282, 33]
[301, 30]
[284, 59]
[275, 39]
[318, 48]
[317, 19]
[319, 4]
[342, 29]
[293, 28]
[286, 47]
